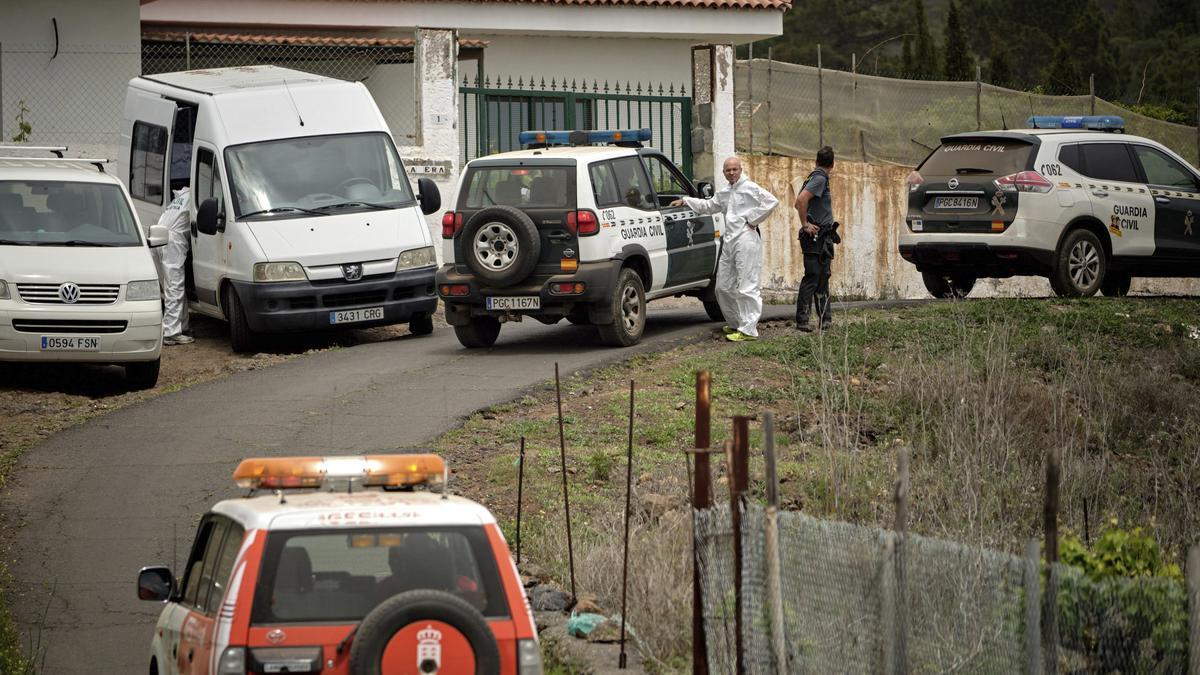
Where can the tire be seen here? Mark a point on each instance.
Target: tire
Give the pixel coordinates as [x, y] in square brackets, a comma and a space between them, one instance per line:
[1079, 265]
[241, 338]
[1116, 284]
[713, 309]
[501, 245]
[397, 612]
[628, 310]
[482, 331]
[141, 375]
[942, 285]
[420, 324]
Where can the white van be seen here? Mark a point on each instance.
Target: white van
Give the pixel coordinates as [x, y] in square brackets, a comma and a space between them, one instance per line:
[77, 282]
[303, 217]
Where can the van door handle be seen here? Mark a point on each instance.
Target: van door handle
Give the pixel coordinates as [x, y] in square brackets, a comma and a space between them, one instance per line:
[1100, 193]
[1162, 200]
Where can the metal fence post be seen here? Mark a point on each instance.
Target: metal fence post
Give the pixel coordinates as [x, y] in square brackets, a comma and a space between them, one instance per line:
[770, 60]
[750, 94]
[1033, 616]
[774, 564]
[702, 499]
[1092, 91]
[739, 478]
[1193, 586]
[978, 98]
[820, 102]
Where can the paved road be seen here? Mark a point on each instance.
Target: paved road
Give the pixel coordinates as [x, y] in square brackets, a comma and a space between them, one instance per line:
[94, 503]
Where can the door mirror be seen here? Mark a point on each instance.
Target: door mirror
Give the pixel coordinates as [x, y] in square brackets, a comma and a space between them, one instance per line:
[705, 189]
[209, 219]
[158, 235]
[156, 583]
[428, 195]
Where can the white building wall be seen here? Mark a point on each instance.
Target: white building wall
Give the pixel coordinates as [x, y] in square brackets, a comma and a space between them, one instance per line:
[614, 59]
[73, 98]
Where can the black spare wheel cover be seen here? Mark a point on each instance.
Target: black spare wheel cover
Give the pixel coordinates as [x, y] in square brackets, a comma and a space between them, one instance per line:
[501, 245]
[397, 612]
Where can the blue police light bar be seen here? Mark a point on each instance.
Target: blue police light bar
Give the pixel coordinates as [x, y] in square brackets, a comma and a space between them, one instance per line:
[1093, 122]
[583, 137]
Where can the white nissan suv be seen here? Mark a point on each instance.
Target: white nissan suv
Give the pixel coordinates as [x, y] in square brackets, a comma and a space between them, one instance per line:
[1071, 198]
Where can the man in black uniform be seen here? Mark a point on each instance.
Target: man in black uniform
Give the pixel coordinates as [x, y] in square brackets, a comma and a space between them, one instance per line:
[818, 234]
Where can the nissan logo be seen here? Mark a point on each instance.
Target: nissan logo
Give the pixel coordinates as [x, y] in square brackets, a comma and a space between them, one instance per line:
[68, 293]
[352, 272]
[953, 184]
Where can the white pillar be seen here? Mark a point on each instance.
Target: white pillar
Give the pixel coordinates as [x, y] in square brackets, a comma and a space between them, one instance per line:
[437, 154]
[722, 109]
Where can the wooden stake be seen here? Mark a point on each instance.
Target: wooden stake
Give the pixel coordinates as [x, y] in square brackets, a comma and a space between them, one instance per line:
[562, 447]
[1050, 550]
[701, 499]
[739, 484]
[900, 498]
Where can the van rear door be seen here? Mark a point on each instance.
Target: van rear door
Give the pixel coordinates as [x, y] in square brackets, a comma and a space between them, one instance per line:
[145, 141]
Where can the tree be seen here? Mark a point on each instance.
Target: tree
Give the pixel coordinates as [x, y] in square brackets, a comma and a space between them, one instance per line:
[960, 63]
[925, 66]
[1062, 75]
[999, 70]
[906, 59]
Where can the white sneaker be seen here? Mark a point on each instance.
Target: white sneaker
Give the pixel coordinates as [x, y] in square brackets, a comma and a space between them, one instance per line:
[180, 339]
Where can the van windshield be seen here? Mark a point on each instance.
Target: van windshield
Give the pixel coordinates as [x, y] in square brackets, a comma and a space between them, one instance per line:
[65, 213]
[316, 176]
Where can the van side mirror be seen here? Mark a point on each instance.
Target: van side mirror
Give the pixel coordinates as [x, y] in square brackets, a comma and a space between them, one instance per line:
[428, 195]
[705, 189]
[209, 219]
[156, 583]
[158, 235]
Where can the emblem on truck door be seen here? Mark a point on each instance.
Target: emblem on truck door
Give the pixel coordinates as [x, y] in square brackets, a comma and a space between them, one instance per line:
[352, 272]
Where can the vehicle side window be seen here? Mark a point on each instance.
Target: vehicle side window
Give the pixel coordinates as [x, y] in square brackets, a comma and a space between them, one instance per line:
[1109, 161]
[668, 183]
[208, 176]
[147, 161]
[604, 185]
[224, 567]
[1069, 155]
[1162, 170]
[633, 183]
[195, 564]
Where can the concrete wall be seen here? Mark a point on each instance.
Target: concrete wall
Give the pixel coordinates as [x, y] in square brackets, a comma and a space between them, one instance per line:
[73, 98]
[870, 202]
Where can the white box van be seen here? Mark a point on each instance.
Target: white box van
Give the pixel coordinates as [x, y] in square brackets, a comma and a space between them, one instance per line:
[77, 282]
[303, 217]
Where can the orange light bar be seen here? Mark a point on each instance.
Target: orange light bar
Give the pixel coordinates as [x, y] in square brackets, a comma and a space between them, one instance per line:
[310, 472]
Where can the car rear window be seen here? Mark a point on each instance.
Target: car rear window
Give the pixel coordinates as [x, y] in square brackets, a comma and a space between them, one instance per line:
[525, 187]
[981, 156]
[340, 576]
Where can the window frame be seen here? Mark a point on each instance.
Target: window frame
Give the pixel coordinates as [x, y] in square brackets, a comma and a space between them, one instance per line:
[137, 190]
[1133, 162]
[649, 197]
[1141, 168]
[673, 171]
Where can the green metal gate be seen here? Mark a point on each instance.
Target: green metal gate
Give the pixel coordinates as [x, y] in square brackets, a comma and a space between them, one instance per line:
[493, 114]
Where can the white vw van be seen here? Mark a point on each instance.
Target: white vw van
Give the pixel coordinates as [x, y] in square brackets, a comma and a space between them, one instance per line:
[77, 283]
[302, 216]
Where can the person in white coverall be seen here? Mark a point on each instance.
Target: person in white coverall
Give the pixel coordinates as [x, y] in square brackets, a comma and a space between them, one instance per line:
[745, 205]
[172, 259]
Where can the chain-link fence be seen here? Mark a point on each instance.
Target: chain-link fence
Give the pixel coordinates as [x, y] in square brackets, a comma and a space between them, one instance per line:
[861, 600]
[385, 65]
[790, 109]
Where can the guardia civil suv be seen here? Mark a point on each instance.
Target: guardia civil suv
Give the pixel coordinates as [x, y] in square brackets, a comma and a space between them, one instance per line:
[1073, 199]
[570, 230]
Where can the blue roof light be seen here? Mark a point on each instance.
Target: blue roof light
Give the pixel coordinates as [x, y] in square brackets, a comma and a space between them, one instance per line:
[584, 137]
[1093, 122]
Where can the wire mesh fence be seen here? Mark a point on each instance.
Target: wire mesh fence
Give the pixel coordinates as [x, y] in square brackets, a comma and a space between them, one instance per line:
[856, 599]
[385, 65]
[790, 109]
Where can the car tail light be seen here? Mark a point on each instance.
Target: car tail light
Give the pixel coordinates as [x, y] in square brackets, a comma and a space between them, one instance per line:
[568, 287]
[914, 181]
[233, 662]
[583, 223]
[457, 290]
[451, 224]
[529, 658]
[1024, 181]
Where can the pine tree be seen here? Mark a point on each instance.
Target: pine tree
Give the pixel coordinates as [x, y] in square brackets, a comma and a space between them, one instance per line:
[960, 63]
[1062, 75]
[925, 55]
[1094, 53]
[999, 70]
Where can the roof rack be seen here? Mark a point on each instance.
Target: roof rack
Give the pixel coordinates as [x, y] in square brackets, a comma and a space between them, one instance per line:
[98, 163]
[56, 149]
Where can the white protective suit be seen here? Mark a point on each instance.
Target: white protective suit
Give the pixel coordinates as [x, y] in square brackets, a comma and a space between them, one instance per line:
[744, 203]
[172, 259]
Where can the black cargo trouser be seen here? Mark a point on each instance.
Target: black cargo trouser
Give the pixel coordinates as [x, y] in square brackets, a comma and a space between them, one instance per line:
[818, 264]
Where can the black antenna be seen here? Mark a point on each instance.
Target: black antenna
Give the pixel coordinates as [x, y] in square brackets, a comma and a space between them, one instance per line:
[293, 100]
[1003, 123]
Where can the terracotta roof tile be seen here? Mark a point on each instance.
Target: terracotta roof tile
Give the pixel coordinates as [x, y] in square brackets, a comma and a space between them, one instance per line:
[305, 40]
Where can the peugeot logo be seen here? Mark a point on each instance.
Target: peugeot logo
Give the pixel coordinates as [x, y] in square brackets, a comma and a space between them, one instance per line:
[352, 272]
[68, 293]
[953, 184]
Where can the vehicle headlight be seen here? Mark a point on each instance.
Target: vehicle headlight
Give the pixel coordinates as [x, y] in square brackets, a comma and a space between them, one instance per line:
[142, 290]
[4, 290]
[416, 257]
[279, 271]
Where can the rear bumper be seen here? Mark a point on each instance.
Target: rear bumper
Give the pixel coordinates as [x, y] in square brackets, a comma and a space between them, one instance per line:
[980, 260]
[141, 339]
[599, 279]
[305, 306]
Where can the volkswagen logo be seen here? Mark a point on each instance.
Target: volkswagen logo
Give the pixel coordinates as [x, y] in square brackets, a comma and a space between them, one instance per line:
[68, 293]
[352, 272]
[953, 184]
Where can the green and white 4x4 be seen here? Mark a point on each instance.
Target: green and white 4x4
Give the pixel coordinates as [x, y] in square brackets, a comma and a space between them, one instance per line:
[578, 232]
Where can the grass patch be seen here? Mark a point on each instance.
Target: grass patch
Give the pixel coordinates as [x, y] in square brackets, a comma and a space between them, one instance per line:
[979, 391]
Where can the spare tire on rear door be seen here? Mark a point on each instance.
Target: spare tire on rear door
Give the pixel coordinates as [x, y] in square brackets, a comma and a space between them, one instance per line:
[501, 245]
[417, 612]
